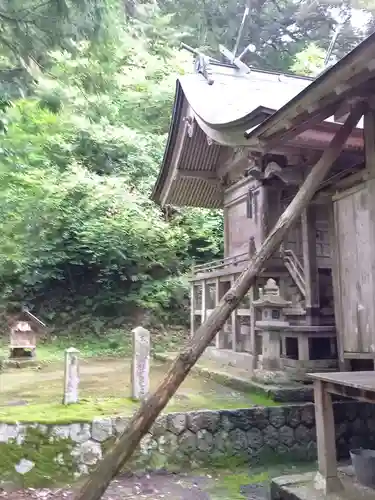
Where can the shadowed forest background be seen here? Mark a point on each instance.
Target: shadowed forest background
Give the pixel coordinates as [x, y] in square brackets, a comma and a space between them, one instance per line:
[86, 96]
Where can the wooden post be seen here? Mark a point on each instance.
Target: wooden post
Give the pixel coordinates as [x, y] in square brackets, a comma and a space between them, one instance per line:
[140, 423]
[253, 343]
[234, 321]
[303, 347]
[336, 286]
[308, 223]
[326, 478]
[192, 309]
[217, 302]
[204, 301]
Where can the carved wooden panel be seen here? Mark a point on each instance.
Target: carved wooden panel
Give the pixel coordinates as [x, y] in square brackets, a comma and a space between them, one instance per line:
[354, 228]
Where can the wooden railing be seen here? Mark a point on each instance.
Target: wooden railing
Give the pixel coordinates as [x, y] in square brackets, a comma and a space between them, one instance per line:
[295, 268]
[218, 265]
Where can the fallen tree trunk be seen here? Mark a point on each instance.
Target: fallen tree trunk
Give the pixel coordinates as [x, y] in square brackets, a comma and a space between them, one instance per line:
[143, 419]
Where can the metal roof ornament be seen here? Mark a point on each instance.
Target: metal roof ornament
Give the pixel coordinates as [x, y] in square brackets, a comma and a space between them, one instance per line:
[232, 56]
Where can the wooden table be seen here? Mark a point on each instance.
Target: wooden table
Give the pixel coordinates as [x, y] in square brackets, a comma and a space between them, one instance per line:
[355, 385]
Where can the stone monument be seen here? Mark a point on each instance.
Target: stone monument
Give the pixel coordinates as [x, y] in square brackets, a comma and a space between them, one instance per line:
[140, 363]
[71, 376]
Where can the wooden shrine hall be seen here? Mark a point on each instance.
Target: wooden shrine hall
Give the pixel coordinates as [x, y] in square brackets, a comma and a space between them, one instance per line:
[209, 163]
[212, 161]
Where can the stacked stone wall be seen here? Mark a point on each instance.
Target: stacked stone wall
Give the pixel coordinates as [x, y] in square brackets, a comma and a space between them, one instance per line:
[181, 440]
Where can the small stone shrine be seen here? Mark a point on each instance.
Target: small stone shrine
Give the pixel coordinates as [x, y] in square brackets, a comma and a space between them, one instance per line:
[24, 330]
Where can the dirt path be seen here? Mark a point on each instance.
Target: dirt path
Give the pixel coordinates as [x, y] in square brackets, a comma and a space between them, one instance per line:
[154, 487]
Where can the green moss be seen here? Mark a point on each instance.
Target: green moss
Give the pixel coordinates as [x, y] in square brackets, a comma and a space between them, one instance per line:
[51, 456]
[85, 411]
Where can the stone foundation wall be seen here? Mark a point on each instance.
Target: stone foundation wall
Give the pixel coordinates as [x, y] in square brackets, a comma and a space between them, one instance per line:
[33, 454]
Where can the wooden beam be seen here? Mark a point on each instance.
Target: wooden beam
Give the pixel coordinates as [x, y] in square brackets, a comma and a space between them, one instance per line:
[96, 484]
[232, 163]
[198, 174]
[308, 226]
[369, 135]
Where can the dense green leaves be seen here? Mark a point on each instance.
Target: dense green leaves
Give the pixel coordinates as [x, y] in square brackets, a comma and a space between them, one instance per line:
[78, 161]
[87, 93]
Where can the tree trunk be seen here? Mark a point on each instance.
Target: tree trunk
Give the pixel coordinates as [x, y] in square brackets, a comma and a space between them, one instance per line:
[143, 419]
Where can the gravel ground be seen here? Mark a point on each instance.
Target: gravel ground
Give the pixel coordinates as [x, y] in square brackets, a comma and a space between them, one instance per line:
[149, 487]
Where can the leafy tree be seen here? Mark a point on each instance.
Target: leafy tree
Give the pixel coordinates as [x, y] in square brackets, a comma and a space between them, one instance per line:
[309, 61]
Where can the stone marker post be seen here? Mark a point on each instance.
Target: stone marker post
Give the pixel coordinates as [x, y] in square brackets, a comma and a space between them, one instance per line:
[71, 376]
[140, 363]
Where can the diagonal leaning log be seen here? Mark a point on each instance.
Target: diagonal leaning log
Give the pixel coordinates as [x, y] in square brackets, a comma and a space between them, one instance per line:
[139, 425]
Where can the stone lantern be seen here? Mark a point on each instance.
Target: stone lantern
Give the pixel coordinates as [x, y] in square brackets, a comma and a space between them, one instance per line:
[272, 322]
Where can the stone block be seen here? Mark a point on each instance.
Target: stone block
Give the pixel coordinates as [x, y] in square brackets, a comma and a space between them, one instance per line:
[293, 416]
[187, 442]
[221, 440]
[101, 429]
[286, 436]
[271, 436]
[60, 431]
[88, 453]
[241, 419]
[207, 420]
[176, 423]
[276, 416]
[79, 433]
[119, 424]
[204, 440]
[304, 434]
[238, 439]
[259, 418]
[255, 439]
[308, 415]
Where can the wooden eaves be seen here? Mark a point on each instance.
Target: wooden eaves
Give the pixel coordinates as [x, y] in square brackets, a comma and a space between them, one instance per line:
[338, 87]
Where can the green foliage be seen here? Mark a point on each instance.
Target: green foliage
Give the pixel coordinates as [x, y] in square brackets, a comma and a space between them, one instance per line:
[77, 164]
[309, 61]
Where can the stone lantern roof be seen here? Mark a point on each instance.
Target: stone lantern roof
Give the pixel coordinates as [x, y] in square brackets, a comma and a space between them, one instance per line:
[271, 297]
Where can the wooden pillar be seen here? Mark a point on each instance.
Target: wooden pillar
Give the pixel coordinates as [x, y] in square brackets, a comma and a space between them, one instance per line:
[326, 478]
[192, 309]
[336, 286]
[303, 347]
[204, 301]
[253, 342]
[264, 223]
[310, 265]
[234, 322]
[218, 338]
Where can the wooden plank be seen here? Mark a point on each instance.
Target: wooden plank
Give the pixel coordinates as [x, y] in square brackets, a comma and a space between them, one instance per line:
[253, 343]
[192, 309]
[308, 225]
[204, 301]
[325, 436]
[98, 481]
[335, 259]
[365, 287]
[348, 272]
[217, 302]
[234, 328]
[369, 135]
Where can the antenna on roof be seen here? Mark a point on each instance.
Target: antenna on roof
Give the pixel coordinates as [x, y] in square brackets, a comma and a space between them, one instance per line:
[336, 33]
[232, 56]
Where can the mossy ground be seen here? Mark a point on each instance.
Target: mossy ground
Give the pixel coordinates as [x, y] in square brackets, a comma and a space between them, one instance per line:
[43, 450]
[230, 479]
[34, 394]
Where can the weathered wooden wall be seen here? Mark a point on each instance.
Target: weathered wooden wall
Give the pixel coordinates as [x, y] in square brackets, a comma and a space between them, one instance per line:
[238, 226]
[355, 250]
